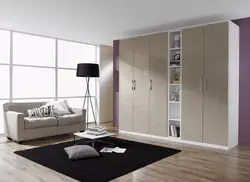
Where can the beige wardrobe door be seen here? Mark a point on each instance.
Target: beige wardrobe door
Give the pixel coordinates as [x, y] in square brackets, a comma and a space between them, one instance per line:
[215, 106]
[192, 76]
[159, 86]
[141, 92]
[126, 99]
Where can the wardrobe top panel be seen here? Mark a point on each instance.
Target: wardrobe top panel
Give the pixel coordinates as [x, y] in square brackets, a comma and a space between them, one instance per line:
[159, 45]
[126, 46]
[141, 45]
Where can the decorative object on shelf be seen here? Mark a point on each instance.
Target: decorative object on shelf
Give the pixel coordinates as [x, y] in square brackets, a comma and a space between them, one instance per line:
[176, 60]
[177, 41]
[88, 70]
[173, 97]
[175, 79]
[177, 57]
[174, 131]
[176, 95]
[175, 63]
[178, 131]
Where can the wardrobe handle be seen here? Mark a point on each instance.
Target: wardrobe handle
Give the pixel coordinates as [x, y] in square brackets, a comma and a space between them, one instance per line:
[151, 84]
[132, 84]
[135, 85]
[204, 84]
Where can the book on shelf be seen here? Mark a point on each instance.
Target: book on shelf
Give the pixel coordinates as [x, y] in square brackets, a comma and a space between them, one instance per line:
[178, 131]
[174, 131]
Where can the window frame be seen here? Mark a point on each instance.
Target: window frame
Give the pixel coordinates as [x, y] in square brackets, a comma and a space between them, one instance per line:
[55, 67]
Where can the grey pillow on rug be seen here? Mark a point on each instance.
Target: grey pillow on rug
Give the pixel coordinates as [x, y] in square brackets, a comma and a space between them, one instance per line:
[81, 152]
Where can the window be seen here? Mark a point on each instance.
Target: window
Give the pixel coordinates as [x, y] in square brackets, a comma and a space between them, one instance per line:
[71, 53]
[33, 100]
[4, 81]
[31, 82]
[37, 74]
[70, 85]
[4, 46]
[33, 50]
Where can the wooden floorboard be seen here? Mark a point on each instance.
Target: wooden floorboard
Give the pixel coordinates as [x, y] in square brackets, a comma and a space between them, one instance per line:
[193, 164]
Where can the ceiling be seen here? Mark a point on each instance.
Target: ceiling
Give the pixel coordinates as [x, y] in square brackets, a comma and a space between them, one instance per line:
[102, 21]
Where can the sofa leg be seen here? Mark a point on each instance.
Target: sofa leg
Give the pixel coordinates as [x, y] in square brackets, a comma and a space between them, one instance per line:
[9, 138]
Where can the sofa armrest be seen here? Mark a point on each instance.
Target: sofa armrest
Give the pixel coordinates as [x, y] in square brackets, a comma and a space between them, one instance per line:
[81, 112]
[14, 125]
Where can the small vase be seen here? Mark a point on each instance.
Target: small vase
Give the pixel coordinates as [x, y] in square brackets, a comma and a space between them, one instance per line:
[177, 40]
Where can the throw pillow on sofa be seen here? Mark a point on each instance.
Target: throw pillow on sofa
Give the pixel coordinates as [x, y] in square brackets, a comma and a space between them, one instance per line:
[44, 111]
[54, 108]
[61, 107]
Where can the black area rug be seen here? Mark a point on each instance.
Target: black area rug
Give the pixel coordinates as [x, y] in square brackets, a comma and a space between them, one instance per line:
[104, 168]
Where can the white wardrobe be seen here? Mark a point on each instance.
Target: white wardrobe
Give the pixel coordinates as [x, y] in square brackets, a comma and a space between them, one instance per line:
[209, 85]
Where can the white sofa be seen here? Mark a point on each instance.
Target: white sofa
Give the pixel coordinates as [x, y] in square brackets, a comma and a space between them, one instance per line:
[19, 127]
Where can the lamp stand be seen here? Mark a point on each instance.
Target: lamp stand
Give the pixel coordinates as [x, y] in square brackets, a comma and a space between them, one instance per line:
[87, 99]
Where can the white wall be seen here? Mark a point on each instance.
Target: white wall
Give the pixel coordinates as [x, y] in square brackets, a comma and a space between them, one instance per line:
[101, 22]
[54, 18]
[106, 83]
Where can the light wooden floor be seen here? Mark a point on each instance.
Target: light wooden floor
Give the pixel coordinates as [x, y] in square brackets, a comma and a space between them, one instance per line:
[193, 164]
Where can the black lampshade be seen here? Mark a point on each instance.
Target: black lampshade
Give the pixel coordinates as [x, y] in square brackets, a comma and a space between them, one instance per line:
[87, 70]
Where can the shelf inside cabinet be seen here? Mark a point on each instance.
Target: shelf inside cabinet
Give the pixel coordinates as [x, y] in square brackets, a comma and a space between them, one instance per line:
[174, 102]
[175, 41]
[174, 84]
[174, 66]
[175, 49]
[176, 120]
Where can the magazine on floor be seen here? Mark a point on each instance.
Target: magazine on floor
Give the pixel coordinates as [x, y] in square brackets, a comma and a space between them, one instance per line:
[110, 150]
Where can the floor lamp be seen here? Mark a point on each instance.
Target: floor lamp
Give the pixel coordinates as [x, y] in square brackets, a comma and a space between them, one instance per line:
[88, 70]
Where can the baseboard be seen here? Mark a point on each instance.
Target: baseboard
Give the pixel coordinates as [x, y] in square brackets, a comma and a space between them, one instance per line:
[171, 139]
[106, 122]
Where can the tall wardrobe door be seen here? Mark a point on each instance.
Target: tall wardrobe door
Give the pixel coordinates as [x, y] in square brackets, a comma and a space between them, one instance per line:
[215, 127]
[126, 99]
[192, 71]
[141, 92]
[159, 84]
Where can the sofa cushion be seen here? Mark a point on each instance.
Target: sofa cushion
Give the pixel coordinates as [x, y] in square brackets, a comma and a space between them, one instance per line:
[32, 123]
[70, 119]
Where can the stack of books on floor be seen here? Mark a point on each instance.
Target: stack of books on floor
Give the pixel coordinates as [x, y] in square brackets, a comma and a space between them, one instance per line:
[174, 131]
[96, 130]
